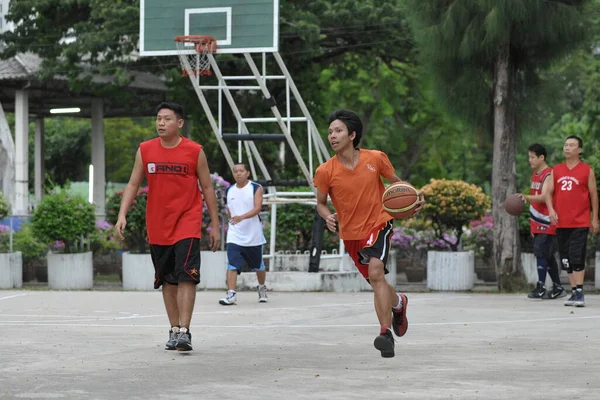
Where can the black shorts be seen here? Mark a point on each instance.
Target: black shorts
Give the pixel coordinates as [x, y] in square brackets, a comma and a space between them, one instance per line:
[179, 262]
[376, 244]
[544, 245]
[572, 243]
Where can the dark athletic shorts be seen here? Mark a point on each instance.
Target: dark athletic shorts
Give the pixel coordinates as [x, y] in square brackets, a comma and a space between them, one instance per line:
[544, 245]
[176, 263]
[572, 243]
[377, 244]
[242, 258]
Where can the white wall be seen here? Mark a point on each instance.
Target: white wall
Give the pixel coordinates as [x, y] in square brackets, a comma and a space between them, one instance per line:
[4, 26]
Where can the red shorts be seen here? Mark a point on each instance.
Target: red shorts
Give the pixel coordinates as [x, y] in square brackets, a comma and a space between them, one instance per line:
[377, 244]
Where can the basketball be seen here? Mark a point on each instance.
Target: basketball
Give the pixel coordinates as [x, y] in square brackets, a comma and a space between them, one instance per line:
[400, 200]
[514, 205]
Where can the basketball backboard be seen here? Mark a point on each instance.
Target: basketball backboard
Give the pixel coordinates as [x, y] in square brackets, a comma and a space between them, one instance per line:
[240, 26]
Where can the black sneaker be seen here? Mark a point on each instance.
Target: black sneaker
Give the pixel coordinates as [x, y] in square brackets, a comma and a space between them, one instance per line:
[538, 292]
[556, 293]
[579, 299]
[385, 344]
[571, 300]
[184, 341]
[172, 342]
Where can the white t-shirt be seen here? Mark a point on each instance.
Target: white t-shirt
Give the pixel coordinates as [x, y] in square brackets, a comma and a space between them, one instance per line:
[248, 232]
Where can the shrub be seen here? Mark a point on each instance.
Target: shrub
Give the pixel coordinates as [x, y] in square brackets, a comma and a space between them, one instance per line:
[28, 244]
[103, 239]
[135, 232]
[61, 217]
[4, 238]
[480, 237]
[408, 238]
[4, 207]
[451, 205]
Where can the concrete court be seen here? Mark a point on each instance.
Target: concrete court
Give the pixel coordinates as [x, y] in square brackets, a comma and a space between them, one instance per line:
[109, 345]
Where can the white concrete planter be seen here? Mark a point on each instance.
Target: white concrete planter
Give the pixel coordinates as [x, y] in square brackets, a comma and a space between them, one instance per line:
[138, 272]
[597, 271]
[450, 270]
[11, 270]
[70, 271]
[213, 270]
[529, 263]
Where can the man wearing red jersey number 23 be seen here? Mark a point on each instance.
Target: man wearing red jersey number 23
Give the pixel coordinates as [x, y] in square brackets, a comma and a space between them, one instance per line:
[352, 178]
[572, 194]
[178, 178]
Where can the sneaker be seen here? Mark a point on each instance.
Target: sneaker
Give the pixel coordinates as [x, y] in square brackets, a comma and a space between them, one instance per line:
[556, 293]
[399, 320]
[571, 300]
[538, 292]
[184, 341]
[229, 300]
[262, 294]
[579, 299]
[172, 342]
[385, 344]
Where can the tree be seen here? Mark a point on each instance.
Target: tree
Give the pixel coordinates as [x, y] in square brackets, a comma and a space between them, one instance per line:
[483, 54]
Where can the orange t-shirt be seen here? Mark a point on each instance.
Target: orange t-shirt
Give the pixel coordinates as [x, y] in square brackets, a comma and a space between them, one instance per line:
[356, 194]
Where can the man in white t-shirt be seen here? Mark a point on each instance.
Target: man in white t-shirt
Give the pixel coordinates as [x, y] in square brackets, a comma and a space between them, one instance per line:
[245, 238]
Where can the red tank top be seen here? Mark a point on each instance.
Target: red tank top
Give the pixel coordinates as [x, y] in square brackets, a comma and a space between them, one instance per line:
[174, 209]
[539, 217]
[572, 196]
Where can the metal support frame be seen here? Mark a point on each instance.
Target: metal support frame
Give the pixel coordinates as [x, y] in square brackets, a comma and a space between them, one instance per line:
[259, 83]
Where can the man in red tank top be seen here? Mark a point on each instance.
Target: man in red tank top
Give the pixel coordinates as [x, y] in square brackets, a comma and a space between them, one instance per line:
[572, 194]
[542, 231]
[176, 170]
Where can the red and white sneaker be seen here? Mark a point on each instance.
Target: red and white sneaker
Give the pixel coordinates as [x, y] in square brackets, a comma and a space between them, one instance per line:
[399, 320]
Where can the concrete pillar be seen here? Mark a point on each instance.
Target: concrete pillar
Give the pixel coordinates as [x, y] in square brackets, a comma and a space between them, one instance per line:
[98, 157]
[39, 171]
[22, 152]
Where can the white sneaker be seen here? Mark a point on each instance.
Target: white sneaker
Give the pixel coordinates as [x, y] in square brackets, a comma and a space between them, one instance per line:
[229, 300]
[262, 294]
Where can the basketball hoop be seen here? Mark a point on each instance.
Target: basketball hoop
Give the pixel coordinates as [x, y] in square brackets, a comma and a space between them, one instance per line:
[195, 49]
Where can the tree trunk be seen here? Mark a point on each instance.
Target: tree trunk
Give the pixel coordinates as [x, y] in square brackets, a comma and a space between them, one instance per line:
[506, 233]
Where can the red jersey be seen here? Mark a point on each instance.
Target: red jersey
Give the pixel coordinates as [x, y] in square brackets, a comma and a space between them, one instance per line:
[539, 217]
[572, 196]
[174, 208]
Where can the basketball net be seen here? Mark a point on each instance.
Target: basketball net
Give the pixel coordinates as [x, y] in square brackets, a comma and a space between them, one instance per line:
[193, 54]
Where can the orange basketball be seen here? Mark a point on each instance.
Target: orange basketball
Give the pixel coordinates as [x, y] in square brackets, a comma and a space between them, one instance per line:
[400, 200]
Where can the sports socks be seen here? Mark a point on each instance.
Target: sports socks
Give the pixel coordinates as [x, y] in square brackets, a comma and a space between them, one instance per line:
[399, 306]
[175, 329]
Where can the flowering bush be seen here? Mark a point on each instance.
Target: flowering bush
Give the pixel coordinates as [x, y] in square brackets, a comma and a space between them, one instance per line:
[450, 205]
[135, 233]
[4, 207]
[480, 237]
[103, 239]
[220, 185]
[61, 217]
[407, 238]
[4, 238]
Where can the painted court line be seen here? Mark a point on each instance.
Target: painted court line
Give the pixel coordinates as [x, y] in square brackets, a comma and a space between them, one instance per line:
[291, 326]
[13, 296]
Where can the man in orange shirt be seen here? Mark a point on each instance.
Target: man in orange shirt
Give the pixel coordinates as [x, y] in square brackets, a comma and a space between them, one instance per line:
[176, 169]
[352, 178]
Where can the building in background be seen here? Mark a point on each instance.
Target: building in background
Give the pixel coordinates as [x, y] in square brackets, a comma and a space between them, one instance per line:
[4, 25]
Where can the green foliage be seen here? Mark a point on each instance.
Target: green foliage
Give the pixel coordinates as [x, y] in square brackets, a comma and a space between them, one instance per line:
[64, 218]
[4, 207]
[135, 232]
[28, 244]
[460, 41]
[122, 138]
[452, 205]
[103, 239]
